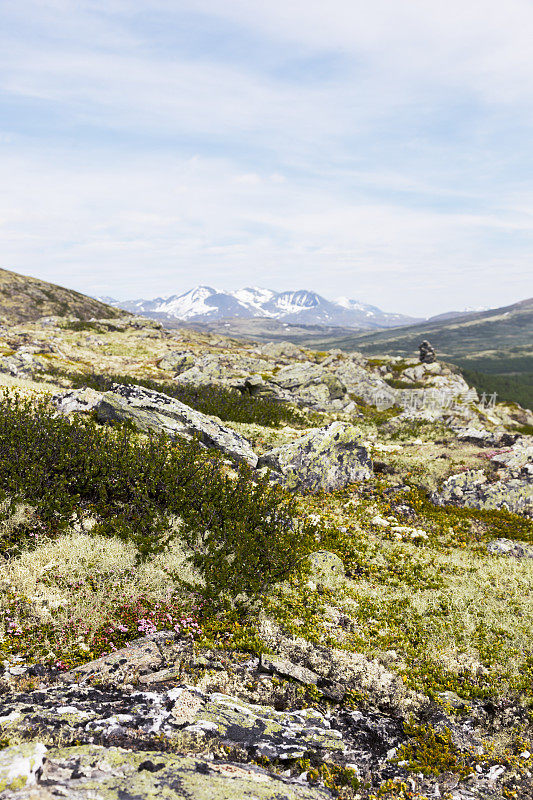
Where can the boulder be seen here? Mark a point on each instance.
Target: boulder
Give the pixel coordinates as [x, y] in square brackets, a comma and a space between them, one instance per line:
[22, 364]
[310, 382]
[361, 383]
[142, 656]
[177, 362]
[296, 376]
[508, 547]
[154, 412]
[256, 386]
[473, 490]
[78, 401]
[324, 459]
[286, 350]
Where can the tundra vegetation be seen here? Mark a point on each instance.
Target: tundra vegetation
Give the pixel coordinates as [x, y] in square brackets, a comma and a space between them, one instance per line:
[108, 534]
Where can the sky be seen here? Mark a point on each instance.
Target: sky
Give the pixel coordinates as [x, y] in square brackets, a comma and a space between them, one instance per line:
[376, 150]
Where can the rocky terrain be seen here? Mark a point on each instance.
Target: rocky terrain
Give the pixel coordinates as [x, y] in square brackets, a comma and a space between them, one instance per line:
[386, 652]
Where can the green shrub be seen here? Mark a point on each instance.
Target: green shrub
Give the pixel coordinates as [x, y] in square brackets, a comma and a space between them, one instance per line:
[433, 752]
[226, 403]
[243, 535]
[397, 383]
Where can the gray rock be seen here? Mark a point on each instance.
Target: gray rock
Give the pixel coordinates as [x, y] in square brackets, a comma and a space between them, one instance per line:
[479, 436]
[154, 412]
[90, 771]
[310, 382]
[297, 376]
[508, 547]
[177, 362]
[285, 668]
[324, 459]
[256, 386]
[22, 364]
[361, 383]
[282, 350]
[473, 490]
[141, 657]
[20, 767]
[78, 401]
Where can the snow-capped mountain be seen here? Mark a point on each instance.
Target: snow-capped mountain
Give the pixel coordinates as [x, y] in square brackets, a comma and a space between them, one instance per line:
[205, 303]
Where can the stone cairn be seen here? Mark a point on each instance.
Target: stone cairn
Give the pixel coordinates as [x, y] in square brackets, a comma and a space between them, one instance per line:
[427, 353]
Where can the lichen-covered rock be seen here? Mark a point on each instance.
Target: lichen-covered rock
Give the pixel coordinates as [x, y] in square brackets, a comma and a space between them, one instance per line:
[473, 490]
[184, 713]
[508, 547]
[77, 401]
[152, 411]
[140, 657]
[20, 767]
[90, 771]
[364, 384]
[22, 364]
[342, 671]
[286, 350]
[310, 383]
[177, 362]
[324, 459]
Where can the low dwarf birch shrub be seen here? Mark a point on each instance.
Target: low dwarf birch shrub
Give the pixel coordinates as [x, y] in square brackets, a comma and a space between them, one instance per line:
[242, 534]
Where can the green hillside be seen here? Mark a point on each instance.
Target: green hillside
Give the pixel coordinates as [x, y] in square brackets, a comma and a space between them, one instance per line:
[24, 299]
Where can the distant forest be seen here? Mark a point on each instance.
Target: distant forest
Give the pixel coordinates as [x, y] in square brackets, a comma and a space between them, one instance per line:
[508, 386]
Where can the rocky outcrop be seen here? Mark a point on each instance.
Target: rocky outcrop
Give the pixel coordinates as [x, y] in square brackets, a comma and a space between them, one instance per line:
[22, 364]
[154, 412]
[511, 487]
[474, 490]
[325, 459]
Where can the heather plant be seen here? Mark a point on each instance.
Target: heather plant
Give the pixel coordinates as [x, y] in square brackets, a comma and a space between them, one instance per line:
[226, 403]
[243, 535]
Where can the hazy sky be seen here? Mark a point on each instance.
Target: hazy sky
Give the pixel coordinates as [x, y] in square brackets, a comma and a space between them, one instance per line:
[380, 149]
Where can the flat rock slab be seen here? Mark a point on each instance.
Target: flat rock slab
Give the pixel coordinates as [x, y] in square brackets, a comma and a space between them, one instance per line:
[143, 656]
[325, 459]
[81, 713]
[28, 772]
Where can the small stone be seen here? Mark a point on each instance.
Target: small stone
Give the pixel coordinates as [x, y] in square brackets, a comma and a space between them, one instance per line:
[287, 669]
[382, 523]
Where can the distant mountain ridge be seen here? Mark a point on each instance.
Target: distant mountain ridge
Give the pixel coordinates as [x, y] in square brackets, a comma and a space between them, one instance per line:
[304, 307]
[508, 329]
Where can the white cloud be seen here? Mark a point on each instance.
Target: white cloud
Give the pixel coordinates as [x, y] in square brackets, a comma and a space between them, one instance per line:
[147, 227]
